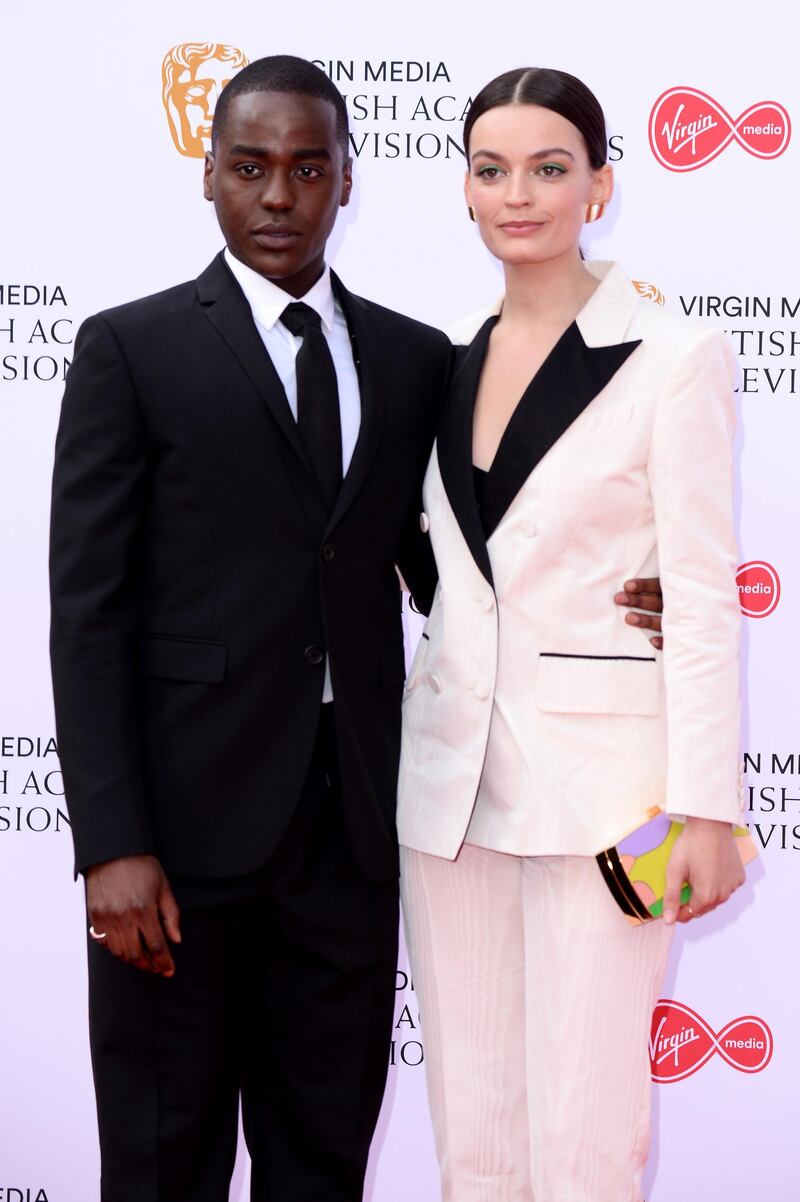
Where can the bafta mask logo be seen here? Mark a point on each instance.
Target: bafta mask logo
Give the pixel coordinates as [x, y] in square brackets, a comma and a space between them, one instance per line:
[193, 75]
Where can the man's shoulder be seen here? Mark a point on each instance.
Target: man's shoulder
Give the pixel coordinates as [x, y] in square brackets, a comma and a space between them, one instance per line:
[157, 307]
[400, 325]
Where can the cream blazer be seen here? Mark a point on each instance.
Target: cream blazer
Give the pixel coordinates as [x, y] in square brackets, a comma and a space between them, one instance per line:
[535, 720]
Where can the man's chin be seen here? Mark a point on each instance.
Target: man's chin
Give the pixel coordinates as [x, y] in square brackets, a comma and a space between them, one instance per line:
[282, 268]
[274, 264]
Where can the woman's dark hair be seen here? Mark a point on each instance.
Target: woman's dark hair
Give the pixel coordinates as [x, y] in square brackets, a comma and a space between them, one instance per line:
[555, 90]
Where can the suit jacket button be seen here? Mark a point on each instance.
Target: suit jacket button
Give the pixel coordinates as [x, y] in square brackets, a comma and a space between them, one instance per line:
[481, 690]
[329, 552]
[424, 523]
[528, 528]
[435, 683]
[314, 655]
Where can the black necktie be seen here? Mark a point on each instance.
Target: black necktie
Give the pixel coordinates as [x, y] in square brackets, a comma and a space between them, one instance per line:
[317, 399]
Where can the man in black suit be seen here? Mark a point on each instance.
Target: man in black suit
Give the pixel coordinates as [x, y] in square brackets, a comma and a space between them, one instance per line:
[234, 477]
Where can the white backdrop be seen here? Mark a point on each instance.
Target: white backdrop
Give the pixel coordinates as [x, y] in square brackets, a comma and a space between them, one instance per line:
[98, 206]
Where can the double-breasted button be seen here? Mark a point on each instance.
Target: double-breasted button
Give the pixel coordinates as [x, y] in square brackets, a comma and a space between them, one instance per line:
[424, 523]
[528, 528]
[481, 689]
[329, 552]
[314, 654]
[435, 682]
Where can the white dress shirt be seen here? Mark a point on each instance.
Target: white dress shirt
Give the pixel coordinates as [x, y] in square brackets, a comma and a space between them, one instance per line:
[267, 302]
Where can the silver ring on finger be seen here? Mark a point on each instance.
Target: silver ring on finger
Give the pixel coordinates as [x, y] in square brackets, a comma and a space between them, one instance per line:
[99, 936]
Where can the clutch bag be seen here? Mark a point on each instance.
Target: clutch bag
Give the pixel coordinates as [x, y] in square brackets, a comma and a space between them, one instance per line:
[635, 868]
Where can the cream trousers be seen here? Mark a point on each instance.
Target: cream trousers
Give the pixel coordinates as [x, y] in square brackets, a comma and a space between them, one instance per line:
[535, 999]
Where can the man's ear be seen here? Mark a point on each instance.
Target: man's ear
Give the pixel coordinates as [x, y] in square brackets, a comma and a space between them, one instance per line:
[347, 182]
[208, 172]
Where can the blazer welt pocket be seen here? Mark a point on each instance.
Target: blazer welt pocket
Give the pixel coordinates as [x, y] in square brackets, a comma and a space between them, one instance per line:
[611, 417]
[196, 660]
[393, 668]
[597, 684]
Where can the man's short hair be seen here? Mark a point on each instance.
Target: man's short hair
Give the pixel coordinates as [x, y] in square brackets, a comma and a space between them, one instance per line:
[283, 73]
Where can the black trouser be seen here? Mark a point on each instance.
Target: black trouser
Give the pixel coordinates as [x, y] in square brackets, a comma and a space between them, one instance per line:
[283, 994]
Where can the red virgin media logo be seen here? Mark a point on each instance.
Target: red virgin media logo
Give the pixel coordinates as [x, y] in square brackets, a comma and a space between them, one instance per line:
[689, 129]
[681, 1042]
[759, 588]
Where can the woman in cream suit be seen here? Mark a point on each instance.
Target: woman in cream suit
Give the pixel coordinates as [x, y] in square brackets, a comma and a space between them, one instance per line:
[586, 439]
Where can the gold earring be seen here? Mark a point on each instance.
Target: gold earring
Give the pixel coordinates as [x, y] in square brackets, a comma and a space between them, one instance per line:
[595, 211]
[471, 212]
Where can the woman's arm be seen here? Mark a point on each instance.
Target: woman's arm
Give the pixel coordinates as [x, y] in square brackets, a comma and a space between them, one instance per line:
[690, 469]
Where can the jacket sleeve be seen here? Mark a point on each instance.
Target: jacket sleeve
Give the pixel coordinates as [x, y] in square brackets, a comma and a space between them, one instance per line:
[415, 558]
[100, 464]
[690, 470]
[416, 561]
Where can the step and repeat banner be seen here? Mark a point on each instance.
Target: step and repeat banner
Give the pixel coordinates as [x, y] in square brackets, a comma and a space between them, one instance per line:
[107, 118]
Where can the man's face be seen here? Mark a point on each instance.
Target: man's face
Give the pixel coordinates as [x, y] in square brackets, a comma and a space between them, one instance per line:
[277, 179]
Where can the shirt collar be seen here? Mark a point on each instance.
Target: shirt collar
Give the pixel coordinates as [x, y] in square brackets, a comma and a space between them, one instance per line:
[267, 301]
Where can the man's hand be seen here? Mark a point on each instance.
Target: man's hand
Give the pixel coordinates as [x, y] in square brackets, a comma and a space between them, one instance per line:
[706, 857]
[129, 901]
[644, 594]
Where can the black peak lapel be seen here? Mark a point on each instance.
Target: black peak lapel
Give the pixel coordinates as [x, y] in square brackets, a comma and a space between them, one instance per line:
[454, 445]
[369, 356]
[226, 307]
[572, 375]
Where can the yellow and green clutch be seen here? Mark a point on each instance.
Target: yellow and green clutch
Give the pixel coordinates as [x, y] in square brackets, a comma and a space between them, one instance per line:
[635, 869]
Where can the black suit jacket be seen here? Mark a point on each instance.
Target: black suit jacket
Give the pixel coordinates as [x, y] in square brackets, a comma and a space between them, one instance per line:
[197, 582]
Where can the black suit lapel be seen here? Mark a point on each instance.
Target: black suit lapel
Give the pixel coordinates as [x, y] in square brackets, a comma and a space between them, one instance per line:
[369, 355]
[227, 309]
[572, 375]
[454, 446]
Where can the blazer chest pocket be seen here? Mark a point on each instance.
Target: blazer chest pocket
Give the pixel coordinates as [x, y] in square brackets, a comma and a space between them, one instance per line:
[597, 684]
[198, 660]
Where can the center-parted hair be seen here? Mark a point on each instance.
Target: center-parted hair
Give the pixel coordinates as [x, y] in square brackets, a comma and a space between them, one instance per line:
[283, 73]
[550, 89]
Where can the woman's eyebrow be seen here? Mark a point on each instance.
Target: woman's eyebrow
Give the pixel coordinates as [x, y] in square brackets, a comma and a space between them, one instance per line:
[538, 154]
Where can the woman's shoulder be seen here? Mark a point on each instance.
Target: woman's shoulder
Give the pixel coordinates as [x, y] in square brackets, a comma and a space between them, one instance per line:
[671, 329]
[462, 332]
[663, 327]
[677, 345]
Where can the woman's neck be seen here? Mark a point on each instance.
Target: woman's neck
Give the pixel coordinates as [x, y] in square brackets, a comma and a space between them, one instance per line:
[552, 293]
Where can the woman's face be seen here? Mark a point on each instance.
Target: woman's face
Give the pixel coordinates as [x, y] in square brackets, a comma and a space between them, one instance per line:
[529, 183]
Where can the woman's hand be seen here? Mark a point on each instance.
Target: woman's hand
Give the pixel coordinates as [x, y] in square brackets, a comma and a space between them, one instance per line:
[705, 855]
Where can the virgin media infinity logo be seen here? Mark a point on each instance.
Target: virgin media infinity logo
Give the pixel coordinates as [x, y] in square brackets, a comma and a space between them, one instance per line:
[759, 588]
[681, 1042]
[688, 129]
